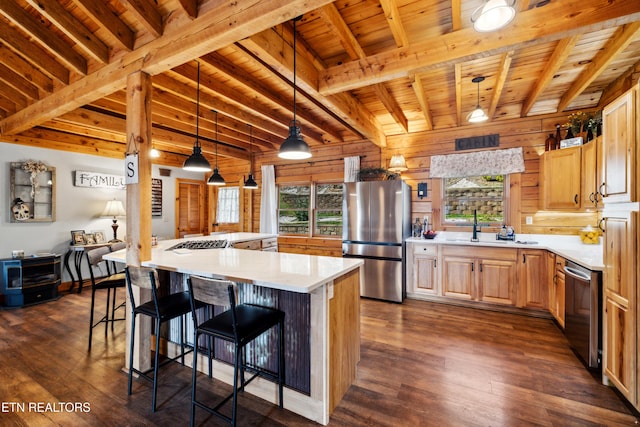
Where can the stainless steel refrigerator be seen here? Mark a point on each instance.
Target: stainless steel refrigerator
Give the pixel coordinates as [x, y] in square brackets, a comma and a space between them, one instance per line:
[376, 222]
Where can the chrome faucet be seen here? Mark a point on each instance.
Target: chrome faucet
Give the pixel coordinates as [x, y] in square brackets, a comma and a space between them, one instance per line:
[474, 236]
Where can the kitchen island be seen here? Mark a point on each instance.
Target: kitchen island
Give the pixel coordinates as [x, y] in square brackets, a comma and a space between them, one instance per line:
[328, 291]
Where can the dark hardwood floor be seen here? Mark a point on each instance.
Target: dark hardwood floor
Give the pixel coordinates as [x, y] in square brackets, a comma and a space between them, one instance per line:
[423, 364]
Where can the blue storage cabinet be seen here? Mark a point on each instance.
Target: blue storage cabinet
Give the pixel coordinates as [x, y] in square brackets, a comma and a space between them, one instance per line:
[29, 280]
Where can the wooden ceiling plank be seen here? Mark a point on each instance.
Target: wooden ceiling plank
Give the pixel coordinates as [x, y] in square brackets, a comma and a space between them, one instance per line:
[33, 53]
[418, 89]
[147, 13]
[456, 15]
[501, 78]
[619, 41]
[558, 57]
[620, 85]
[19, 17]
[7, 106]
[25, 69]
[218, 26]
[101, 14]
[72, 27]
[12, 95]
[190, 7]
[531, 27]
[17, 82]
[458, 89]
[392, 14]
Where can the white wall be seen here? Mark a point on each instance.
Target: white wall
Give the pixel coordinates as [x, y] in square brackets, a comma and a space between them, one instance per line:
[77, 208]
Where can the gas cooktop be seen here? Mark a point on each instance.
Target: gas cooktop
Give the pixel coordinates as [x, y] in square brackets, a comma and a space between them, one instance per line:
[199, 244]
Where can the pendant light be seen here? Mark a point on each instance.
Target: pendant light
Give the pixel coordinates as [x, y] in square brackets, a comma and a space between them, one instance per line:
[216, 178]
[493, 15]
[478, 115]
[294, 147]
[196, 161]
[250, 183]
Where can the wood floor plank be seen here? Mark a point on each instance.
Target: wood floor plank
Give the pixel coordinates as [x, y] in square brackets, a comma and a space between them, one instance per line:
[422, 364]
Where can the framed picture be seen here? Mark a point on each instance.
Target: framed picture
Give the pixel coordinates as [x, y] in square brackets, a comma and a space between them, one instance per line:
[89, 238]
[99, 236]
[77, 237]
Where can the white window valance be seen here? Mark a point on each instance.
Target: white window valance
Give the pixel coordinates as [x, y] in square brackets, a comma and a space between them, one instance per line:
[490, 162]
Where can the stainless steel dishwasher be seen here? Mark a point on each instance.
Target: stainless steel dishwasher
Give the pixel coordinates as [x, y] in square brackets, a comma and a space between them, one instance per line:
[583, 313]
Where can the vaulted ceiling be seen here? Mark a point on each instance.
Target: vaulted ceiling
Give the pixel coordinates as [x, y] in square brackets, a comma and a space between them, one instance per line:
[365, 69]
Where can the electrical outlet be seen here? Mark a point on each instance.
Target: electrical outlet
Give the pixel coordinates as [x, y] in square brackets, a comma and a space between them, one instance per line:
[528, 220]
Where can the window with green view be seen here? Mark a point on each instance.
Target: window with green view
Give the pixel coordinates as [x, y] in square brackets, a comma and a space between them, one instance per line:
[483, 194]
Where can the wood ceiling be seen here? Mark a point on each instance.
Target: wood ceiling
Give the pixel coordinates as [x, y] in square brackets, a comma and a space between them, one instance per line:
[365, 69]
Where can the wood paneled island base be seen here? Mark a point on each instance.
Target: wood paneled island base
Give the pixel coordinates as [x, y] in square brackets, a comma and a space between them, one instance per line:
[333, 287]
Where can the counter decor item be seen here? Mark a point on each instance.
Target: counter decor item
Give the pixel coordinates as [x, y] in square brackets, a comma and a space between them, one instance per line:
[506, 233]
[429, 234]
[550, 143]
[590, 235]
[20, 210]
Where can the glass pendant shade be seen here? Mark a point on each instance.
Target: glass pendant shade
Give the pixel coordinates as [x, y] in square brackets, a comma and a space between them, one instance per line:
[397, 163]
[215, 178]
[477, 115]
[493, 15]
[250, 183]
[294, 147]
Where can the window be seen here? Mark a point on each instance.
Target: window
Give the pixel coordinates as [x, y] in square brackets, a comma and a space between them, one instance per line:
[297, 203]
[483, 194]
[228, 209]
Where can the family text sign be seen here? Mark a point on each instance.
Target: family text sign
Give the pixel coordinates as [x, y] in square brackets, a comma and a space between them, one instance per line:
[99, 180]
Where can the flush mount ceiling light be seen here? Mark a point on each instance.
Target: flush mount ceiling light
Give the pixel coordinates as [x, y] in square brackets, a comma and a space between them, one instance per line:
[294, 147]
[493, 15]
[196, 161]
[216, 178]
[154, 153]
[397, 163]
[478, 115]
[250, 183]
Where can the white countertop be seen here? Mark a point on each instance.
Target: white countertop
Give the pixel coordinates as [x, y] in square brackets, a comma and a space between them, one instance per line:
[290, 272]
[569, 247]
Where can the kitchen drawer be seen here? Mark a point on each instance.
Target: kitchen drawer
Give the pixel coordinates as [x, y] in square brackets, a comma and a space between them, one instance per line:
[253, 245]
[426, 249]
[271, 242]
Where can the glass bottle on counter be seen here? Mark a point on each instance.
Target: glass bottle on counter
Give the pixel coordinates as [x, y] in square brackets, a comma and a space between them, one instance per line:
[417, 228]
[558, 138]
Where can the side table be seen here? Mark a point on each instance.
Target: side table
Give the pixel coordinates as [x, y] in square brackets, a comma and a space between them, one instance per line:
[77, 253]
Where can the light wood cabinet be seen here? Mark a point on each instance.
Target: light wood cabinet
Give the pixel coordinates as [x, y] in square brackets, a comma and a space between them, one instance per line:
[425, 269]
[620, 279]
[489, 275]
[591, 167]
[560, 181]
[556, 283]
[619, 148]
[532, 285]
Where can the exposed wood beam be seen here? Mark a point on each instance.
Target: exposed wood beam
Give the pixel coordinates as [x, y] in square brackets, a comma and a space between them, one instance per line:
[268, 46]
[47, 138]
[72, 28]
[456, 15]
[100, 12]
[16, 81]
[190, 7]
[558, 57]
[620, 85]
[147, 14]
[529, 28]
[458, 88]
[618, 42]
[22, 19]
[418, 89]
[391, 12]
[33, 53]
[352, 46]
[12, 95]
[501, 78]
[7, 106]
[25, 69]
[221, 25]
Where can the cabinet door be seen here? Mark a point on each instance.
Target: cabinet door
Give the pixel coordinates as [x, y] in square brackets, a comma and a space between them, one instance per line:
[496, 281]
[589, 171]
[533, 291]
[457, 277]
[559, 292]
[619, 283]
[551, 282]
[618, 146]
[561, 187]
[424, 274]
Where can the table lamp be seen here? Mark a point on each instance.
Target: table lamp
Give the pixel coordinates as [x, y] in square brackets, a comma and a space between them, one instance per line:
[114, 209]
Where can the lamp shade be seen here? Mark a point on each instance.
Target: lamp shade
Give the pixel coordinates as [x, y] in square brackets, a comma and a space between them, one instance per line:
[250, 183]
[196, 161]
[397, 163]
[478, 115]
[294, 147]
[215, 178]
[493, 15]
[114, 209]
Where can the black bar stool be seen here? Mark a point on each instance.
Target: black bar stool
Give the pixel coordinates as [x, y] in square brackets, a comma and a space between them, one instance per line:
[240, 324]
[104, 275]
[161, 309]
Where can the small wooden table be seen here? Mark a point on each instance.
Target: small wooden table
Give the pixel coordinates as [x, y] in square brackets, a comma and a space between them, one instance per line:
[78, 255]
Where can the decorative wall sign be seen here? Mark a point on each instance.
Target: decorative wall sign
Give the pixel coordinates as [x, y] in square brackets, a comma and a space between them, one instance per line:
[475, 142]
[131, 169]
[98, 180]
[156, 197]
